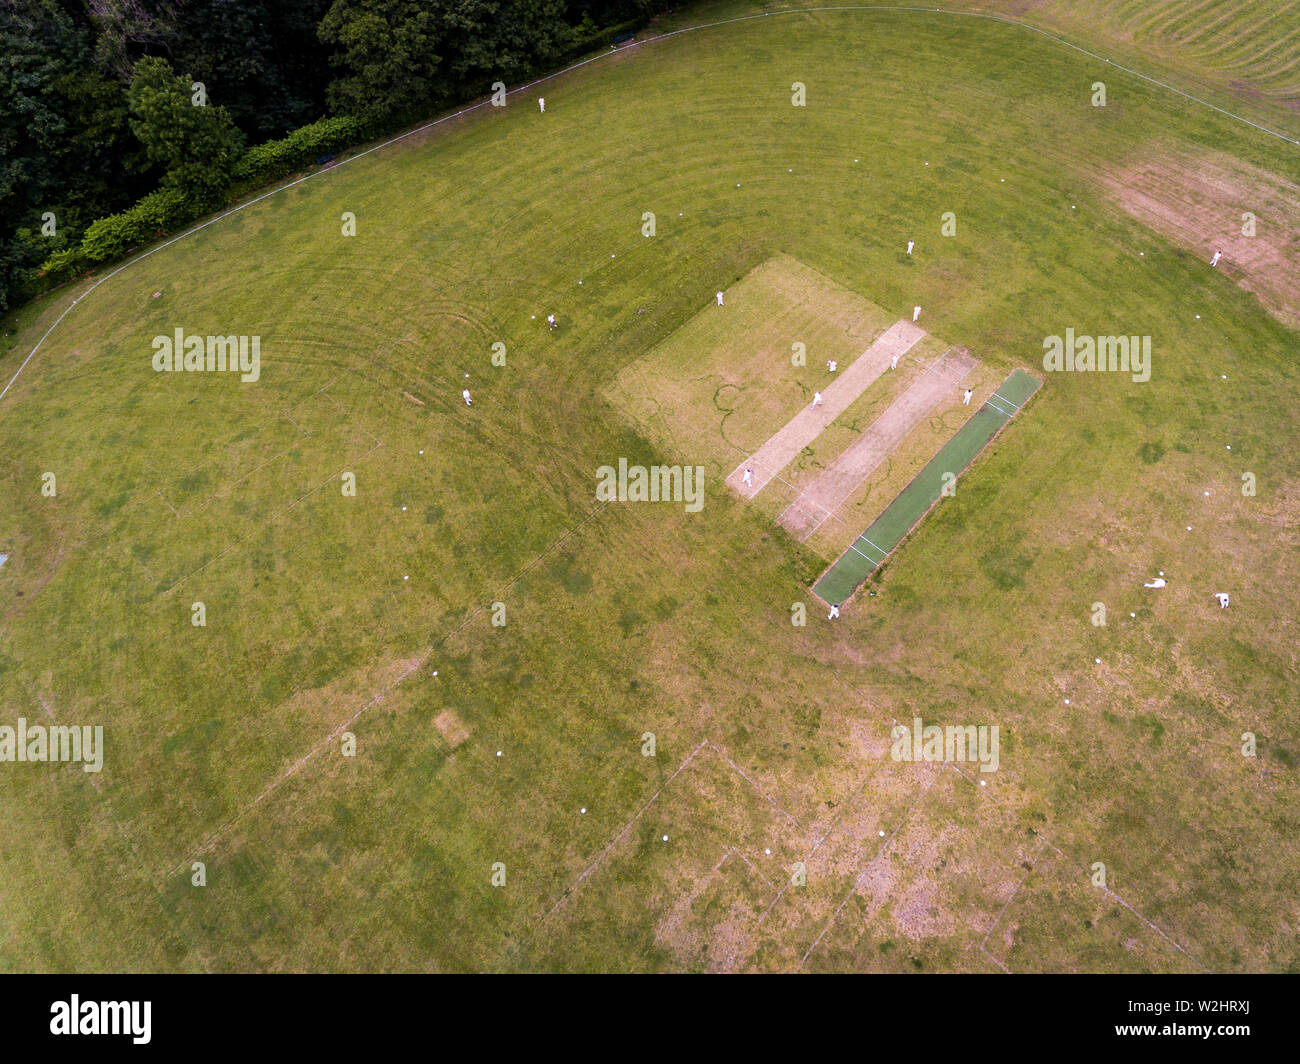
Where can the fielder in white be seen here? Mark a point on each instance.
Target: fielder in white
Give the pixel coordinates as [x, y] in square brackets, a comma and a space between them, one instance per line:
[832, 365]
[916, 313]
[817, 399]
[541, 104]
[719, 299]
[910, 244]
[1159, 581]
[893, 362]
[465, 394]
[1215, 261]
[835, 612]
[966, 398]
[1223, 600]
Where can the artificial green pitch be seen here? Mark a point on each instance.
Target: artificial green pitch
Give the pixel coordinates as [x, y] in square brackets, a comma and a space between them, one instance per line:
[885, 533]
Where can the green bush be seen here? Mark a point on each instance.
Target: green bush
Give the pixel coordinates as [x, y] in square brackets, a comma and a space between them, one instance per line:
[62, 265]
[156, 213]
[276, 158]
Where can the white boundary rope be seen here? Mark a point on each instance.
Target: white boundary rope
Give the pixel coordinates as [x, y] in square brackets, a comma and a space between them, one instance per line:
[603, 55]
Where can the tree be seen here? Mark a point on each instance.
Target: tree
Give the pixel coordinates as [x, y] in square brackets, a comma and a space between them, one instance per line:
[398, 59]
[491, 40]
[49, 95]
[195, 145]
[126, 29]
[260, 59]
[388, 50]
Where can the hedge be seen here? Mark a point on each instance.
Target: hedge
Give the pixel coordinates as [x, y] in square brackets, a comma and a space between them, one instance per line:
[109, 238]
[268, 162]
[64, 264]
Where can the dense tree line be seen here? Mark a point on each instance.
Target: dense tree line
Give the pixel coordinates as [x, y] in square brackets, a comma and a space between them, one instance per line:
[142, 114]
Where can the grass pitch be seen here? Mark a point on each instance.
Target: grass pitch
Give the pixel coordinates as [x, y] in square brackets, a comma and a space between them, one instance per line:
[720, 386]
[870, 549]
[328, 614]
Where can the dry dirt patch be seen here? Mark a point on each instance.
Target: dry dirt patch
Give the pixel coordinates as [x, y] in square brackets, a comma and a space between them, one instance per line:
[1199, 202]
[453, 730]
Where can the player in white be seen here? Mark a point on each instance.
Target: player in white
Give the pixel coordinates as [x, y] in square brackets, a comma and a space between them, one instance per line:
[1223, 600]
[468, 400]
[966, 398]
[1215, 261]
[749, 476]
[1159, 581]
[550, 320]
[719, 299]
[835, 612]
[832, 365]
[541, 104]
[910, 244]
[893, 362]
[916, 313]
[817, 399]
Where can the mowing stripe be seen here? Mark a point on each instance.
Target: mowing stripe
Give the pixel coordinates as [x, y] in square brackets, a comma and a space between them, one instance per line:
[843, 578]
[604, 55]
